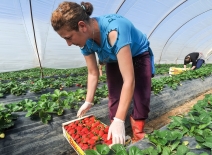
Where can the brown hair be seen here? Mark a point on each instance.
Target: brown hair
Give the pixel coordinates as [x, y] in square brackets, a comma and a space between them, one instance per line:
[187, 59]
[70, 13]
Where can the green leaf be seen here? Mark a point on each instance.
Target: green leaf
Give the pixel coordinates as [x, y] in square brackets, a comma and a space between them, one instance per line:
[204, 153]
[208, 139]
[207, 144]
[29, 113]
[199, 139]
[166, 151]
[117, 147]
[181, 150]
[102, 149]
[191, 153]
[60, 112]
[91, 152]
[57, 92]
[122, 152]
[134, 150]
[202, 126]
[174, 145]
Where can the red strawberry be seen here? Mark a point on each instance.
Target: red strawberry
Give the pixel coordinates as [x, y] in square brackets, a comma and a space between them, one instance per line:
[101, 133]
[104, 137]
[106, 129]
[85, 146]
[109, 142]
[95, 138]
[92, 118]
[78, 140]
[91, 142]
[85, 140]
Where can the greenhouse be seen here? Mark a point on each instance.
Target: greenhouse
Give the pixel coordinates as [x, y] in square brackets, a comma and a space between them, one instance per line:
[53, 101]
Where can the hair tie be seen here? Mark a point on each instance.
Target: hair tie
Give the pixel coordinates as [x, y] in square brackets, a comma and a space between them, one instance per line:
[83, 7]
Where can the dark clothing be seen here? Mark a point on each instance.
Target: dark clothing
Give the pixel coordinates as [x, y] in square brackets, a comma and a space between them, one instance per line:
[199, 63]
[193, 58]
[142, 91]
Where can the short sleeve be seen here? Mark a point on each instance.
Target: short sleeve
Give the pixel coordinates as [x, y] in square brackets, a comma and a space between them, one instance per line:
[123, 28]
[85, 50]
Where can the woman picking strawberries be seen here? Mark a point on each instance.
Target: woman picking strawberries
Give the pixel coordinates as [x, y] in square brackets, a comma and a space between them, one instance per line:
[128, 58]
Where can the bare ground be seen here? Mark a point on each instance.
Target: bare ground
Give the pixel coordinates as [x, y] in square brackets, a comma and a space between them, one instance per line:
[161, 121]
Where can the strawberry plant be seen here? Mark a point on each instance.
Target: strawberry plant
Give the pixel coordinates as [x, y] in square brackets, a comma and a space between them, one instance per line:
[37, 86]
[70, 102]
[7, 116]
[197, 123]
[19, 89]
[42, 109]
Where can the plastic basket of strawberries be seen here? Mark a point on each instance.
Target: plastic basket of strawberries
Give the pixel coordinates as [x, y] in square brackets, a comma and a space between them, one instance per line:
[85, 133]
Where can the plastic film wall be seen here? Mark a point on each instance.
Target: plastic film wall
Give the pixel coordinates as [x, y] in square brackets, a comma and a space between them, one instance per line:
[174, 28]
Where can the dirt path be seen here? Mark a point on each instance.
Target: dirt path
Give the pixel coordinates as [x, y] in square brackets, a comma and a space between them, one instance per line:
[164, 119]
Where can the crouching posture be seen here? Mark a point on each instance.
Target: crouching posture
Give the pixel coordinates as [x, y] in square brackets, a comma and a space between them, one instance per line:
[127, 57]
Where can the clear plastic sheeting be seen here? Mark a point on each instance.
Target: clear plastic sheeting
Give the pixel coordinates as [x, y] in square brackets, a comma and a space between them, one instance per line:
[174, 28]
[16, 39]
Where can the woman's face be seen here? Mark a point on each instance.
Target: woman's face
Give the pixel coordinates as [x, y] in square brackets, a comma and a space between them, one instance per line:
[73, 37]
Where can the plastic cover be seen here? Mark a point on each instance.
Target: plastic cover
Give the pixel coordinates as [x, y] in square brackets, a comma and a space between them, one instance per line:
[174, 28]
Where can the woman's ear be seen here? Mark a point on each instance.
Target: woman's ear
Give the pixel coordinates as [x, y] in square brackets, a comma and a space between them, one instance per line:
[82, 26]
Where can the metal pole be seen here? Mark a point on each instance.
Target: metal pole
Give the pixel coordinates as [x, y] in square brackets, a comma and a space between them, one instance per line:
[41, 70]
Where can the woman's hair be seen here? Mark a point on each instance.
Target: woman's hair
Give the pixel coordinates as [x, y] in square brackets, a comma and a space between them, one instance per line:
[69, 14]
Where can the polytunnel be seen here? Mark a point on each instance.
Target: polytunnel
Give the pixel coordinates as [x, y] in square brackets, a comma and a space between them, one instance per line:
[174, 28]
[36, 110]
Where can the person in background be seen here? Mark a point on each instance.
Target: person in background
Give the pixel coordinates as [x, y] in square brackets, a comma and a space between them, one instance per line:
[128, 58]
[196, 58]
[100, 68]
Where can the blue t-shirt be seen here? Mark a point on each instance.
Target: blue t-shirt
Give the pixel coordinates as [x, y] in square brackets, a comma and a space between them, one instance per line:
[127, 35]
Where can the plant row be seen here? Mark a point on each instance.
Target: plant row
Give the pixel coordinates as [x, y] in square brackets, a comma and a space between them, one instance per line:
[36, 73]
[46, 105]
[175, 80]
[197, 123]
[38, 85]
[47, 72]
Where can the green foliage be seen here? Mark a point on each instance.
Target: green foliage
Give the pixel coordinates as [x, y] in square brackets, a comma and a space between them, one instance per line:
[7, 116]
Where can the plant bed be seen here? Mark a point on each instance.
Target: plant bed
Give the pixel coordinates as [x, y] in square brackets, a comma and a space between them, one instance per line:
[34, 137]
[186, 133]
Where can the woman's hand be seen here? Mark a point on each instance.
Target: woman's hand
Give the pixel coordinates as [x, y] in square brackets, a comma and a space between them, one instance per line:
[84, 108]
[117, 130]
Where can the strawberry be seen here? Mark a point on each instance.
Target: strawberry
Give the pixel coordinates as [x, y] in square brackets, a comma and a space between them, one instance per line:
[80, 124]
[85, 140]
[101, 133]
[85, 146]
[85, 130]
[84, 136]
[95, 138]
[104, 137]
[106, 129]
[66, 127]
[78, 140]
[71, 131]
[91, 142]
[92, 118]
[108, 142]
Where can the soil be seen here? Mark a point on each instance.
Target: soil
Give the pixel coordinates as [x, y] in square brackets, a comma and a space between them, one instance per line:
[163, 120]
